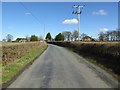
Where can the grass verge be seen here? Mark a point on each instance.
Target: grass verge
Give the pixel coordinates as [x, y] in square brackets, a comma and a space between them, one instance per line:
[11, 70]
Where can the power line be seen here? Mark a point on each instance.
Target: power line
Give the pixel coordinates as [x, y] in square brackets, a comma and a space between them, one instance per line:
[34, 17]
[31, 13]
[78, 12]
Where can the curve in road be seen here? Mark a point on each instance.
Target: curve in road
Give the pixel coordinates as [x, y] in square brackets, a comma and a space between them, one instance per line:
[58, 67]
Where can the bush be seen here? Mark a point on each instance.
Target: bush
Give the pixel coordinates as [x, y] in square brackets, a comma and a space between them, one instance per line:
[34, 38]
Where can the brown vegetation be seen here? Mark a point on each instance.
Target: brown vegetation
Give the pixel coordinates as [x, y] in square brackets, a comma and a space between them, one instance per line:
[12, 52]
[108, 51]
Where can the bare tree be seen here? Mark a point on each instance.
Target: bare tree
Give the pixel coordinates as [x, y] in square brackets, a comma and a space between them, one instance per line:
[75, 35]
[9, 38]
[101, 36]
[4, 40]
[27, 38]
[113, 35]
[67, 35]
[118, 34]
[83, 35]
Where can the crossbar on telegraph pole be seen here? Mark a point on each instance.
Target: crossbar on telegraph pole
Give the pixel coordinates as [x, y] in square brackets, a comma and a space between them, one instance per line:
[78, 12]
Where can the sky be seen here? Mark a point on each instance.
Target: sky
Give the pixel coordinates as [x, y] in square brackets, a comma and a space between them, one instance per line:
[38, 18]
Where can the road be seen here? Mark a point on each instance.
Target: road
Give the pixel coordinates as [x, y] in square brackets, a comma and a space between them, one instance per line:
[58, 67]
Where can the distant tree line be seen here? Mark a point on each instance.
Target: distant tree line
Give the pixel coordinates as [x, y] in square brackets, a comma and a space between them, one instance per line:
[70, 36]
[9, 38]
[59, 37]
[28, 39]
[110, 35]
[113, 35]
[65, 36]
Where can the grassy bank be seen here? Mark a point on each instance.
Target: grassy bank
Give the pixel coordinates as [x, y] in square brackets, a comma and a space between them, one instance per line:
[10, 70]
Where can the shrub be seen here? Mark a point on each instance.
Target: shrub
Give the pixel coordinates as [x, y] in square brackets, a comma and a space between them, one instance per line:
[34, 38]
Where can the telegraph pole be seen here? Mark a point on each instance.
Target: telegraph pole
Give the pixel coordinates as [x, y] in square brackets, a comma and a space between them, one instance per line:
[78, 12]
[44, 32]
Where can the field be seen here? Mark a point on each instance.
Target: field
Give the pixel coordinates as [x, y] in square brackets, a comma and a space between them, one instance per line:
[16, 56]
[106, 54]
[13, 43]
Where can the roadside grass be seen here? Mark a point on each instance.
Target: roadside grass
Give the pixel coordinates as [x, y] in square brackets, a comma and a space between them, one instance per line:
[10, 70]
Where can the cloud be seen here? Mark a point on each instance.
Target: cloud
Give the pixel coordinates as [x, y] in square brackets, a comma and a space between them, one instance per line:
[70, 21]
[100, 12]
[27, 13]
[104, 30]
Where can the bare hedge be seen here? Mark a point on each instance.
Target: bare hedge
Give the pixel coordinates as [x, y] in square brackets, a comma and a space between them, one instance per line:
[109, 52]
[12, 52]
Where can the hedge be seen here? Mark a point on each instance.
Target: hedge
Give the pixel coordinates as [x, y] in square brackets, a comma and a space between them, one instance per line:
[108, 52]
[12, 52]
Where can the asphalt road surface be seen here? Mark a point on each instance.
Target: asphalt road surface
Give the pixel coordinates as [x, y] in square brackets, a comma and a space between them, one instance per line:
[58, 67]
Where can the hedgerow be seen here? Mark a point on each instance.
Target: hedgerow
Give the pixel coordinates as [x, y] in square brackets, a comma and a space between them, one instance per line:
[12, 52]
[108, 52]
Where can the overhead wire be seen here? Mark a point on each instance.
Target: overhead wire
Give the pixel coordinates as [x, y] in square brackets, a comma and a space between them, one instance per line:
[31, 13]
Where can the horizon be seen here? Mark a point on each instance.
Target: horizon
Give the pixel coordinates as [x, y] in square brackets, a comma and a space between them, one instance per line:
[28, 18]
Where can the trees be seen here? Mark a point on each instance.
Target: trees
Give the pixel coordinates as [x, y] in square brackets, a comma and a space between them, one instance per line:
[48, 37]
[113, 35]
[101, 36]
[27, 38]
[41, 38]
[18, 39]
[83, 35]
[118, 34]
[67, 35]
[34, 38]
[4, 40]
[59, 37]
[75, 34]
[9, 38]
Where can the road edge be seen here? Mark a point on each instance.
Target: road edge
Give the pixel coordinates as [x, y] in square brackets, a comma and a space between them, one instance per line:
[5, 85]
[103, 74]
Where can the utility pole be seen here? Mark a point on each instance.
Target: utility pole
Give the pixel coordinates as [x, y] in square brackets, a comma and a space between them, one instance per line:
[78, 12]
[44, 32]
